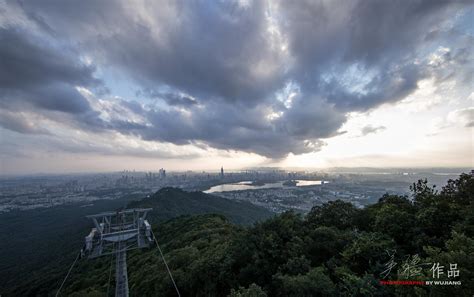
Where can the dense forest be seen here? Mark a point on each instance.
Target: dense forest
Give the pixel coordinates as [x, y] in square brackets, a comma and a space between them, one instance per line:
[334, 250]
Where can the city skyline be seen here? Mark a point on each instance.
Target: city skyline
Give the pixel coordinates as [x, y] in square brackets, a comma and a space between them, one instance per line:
[91, 86]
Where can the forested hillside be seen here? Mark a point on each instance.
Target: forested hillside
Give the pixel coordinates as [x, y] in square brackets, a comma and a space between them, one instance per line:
[335, 250]
[37, 244]
[168, 203]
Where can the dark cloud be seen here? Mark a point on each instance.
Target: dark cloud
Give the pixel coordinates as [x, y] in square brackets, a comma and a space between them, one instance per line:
[19, 123]
[221, 70]
[217, 50]
[33, 73]
[55, 97]
[179, 100]
[388, 86]
[39, 78]
[172, 99]
[382, 31]
[229, 127]
[381, 39]
[28, 61]
[369, 129]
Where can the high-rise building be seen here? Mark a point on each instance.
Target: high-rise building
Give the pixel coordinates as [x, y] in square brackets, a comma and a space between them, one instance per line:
[162, 173]
[222, 172]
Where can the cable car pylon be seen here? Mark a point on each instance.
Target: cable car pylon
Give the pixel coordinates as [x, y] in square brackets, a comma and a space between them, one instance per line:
[115, 233]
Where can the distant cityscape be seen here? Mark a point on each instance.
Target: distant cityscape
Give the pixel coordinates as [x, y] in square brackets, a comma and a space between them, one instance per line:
[275, 189]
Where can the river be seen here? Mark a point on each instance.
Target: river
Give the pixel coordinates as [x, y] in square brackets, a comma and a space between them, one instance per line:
[247, 185]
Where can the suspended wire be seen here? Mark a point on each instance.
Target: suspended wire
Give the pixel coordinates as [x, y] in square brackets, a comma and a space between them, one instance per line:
[166, 264]
[110, 271]
[112, 255]
[67, 275]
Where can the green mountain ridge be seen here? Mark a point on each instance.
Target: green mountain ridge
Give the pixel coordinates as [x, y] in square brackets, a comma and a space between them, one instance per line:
[168, 203]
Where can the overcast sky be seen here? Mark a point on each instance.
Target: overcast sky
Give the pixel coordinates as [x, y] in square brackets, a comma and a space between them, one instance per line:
[112, 85]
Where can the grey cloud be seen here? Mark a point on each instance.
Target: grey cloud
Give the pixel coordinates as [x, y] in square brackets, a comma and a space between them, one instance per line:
[32, 73]
[463, 117]
[451, 64]
[370, 32]
[387, 30]
[379, 37]
[28, 145]
[228, 127]
[79, 147]
[27, 61]
[231, 59]
[211, 51]
[20, 124]
[172, 99]
[310, 118]
[55, 97]
[388, 86]
[41, 79]
[179, 100]
[369, 129]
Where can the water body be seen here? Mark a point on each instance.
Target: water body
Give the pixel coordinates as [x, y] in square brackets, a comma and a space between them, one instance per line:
[247, 185]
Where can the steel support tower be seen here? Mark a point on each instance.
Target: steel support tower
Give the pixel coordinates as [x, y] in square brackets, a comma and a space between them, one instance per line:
[115, 233]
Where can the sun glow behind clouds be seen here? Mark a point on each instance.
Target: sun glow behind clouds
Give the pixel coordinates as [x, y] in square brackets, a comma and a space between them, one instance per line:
[419, 131]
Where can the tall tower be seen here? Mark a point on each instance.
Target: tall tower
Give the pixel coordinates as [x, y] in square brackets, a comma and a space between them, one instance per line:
[114, 234]
[222, 172]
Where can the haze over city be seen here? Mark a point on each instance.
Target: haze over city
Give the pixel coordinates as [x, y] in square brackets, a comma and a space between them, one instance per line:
[89, 86]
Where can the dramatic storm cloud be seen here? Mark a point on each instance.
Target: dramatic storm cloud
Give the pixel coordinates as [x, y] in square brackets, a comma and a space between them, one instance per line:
[270, 78]
[36, 74]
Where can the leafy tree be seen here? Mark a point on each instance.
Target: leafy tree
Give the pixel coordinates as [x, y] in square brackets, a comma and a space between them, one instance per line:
[295, 266]
[459, 250]
[252, 291]
[323, 243]
[314, 283]
[460, 190]
[353, 285]
[423, 194]
[368, 252]
[260, 251]
[396, 222]
[337, 214]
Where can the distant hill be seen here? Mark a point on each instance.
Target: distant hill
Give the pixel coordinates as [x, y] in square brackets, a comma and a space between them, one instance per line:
[168, 203]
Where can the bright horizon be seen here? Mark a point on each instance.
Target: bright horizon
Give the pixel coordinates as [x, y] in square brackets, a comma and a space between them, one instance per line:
[105, 86]
[328, 170]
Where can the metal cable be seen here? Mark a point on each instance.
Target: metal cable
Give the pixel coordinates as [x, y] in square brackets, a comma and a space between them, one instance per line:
[110, 271]
[166, 264]
[112, 255]
[67, 275]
